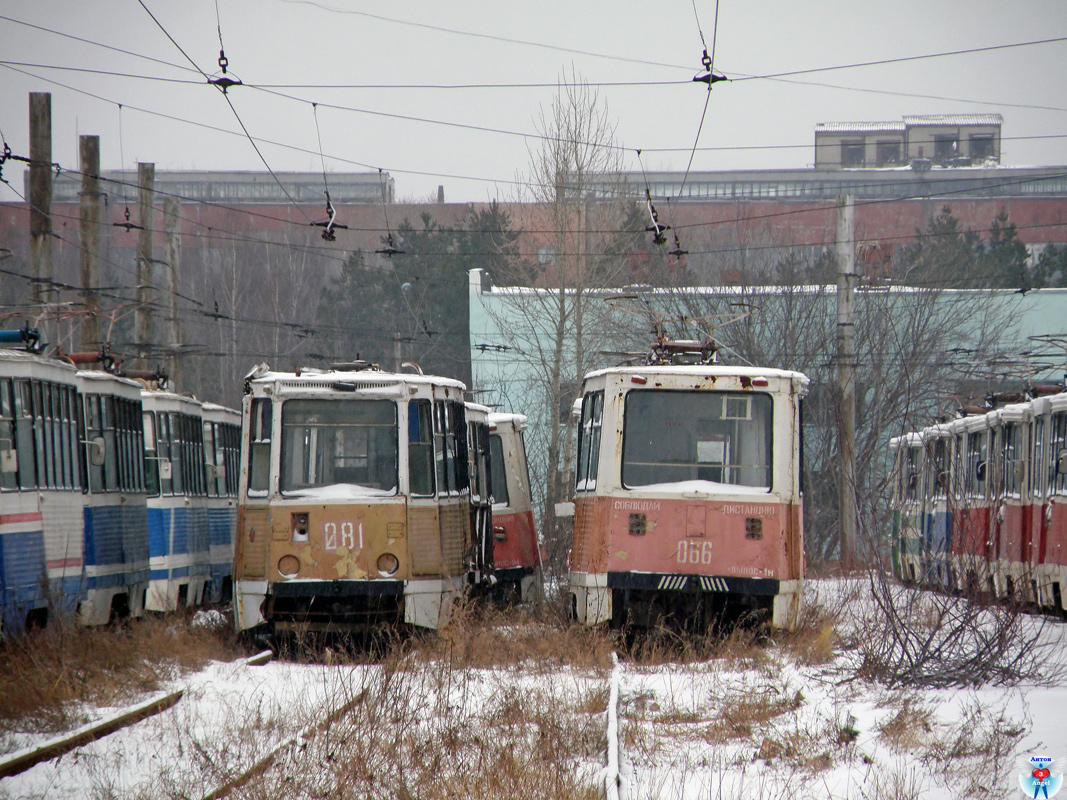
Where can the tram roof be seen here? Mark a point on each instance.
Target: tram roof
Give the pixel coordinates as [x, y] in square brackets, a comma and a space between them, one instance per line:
[325, 377]
[26, 357]
[703, 371]
[101, 375]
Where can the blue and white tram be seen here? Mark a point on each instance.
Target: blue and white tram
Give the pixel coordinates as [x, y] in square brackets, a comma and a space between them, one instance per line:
[115, 513]
[72, 533]
[937, 514]
[222, 458]
[179, 535]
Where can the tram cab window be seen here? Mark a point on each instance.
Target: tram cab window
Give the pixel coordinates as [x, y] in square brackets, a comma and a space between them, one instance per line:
[420, 448]
[676, 436]
[450, 447]
[339, 443]
[498, 479]
[259, 435]
[589, 441]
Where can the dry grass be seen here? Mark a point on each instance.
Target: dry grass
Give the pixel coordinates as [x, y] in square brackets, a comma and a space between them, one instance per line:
[432, 728]
[478, 637]
[47, 674]
[909, 728]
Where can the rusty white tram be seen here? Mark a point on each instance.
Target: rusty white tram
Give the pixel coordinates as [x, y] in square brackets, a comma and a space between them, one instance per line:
[355, 505]
[688, 496]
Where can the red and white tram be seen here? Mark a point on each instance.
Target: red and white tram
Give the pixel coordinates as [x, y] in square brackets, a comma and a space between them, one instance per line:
[516, 551]
[688, 496]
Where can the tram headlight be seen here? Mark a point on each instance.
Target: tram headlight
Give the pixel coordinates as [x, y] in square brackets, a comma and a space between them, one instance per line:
[288, 566]
[388, 564]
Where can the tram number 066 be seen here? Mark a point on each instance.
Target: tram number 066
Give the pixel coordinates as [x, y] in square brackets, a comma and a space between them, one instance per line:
[690, 552]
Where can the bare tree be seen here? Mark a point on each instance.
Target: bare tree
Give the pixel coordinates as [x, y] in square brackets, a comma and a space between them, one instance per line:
[557, 325]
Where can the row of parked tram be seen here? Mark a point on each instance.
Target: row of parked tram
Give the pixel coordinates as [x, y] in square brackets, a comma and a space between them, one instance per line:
[350, 497]
[115, 498]
[379, 497]
[980, 503]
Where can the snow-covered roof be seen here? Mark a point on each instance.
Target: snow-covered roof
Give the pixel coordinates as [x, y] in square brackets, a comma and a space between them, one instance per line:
[860, 127]
[915, 120]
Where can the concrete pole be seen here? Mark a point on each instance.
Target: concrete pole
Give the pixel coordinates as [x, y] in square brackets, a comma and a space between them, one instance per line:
[846, 377]
[144, 327]
[90, 205]
[172, 223]
[43, 291]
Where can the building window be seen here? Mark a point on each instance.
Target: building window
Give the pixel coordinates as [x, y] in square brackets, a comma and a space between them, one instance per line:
[852, 154]
[945, 148]
[888, 154]
[982, 146]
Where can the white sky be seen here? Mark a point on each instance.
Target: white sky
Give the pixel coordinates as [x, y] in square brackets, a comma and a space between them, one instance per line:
[349, 42]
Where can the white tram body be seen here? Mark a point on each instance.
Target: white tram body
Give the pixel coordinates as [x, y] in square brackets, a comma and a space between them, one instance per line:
[688, 495]
[355, 504]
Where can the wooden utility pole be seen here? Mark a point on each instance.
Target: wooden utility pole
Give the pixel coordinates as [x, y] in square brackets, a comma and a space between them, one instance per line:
[846, 377]
[145, 330]
[172, 223]
[41, 199]
[90, 203]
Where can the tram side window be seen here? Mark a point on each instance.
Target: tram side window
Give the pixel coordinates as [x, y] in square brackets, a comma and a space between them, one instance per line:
[1011, 463]
[589, 441]
[164, 454]
[939, 464]
[1035, 480]
[420, 448]
[230, 436]
[9, 454]
[212, 459]
[673, 436]
[151, 456]
[477, 453]
[191, 435]
[498, 480]
[463, 444]
[1058, 454]
[40, 435]
[95, 442]
[25, 435]
[260, 424]
[977, 464]
[134, 452]
[910, 474]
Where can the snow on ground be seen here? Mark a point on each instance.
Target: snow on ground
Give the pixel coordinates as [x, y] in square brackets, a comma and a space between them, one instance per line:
[762, 723]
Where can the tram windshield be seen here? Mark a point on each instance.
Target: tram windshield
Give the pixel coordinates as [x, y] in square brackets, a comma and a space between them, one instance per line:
[673, 436]
[339, 447]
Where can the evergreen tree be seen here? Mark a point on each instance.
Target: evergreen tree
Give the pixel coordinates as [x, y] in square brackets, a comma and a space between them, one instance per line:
[1004, 259]
[412, 305]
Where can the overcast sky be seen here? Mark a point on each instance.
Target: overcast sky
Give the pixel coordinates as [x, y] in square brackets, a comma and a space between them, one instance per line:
[387, 55]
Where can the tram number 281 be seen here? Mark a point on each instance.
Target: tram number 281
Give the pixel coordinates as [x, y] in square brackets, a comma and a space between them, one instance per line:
[690, 552]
